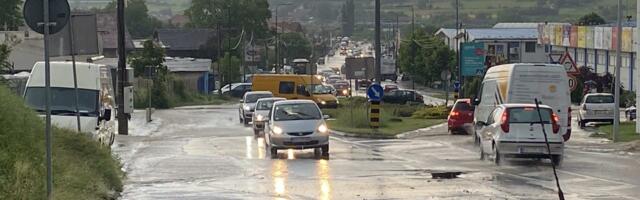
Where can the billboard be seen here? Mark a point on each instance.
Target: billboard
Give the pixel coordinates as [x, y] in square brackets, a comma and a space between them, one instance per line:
[359, 68]
[472, 58]
[574, 37]
[85, 33]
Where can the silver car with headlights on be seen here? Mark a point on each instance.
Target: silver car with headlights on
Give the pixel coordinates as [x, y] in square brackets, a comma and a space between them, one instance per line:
[261, 113]
[248, 104]
[297, 124]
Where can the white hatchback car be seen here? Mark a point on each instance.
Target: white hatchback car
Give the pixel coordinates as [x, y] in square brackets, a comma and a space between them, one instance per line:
[297, 124]
[596, 107]
[248, 104]
[514, 130]
[261, 113]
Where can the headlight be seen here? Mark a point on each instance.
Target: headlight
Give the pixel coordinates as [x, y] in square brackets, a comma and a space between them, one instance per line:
[345, 92]
[277, 130]
[322, 128]
[323, 102]
[259, 118]
[247, 108]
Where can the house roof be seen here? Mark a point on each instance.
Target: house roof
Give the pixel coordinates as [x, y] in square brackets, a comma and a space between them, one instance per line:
[108, 29]
[188, 65]
[494, 33]
[185, 39]
[522, 24]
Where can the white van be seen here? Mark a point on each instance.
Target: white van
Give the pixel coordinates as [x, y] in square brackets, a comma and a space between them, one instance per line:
[95, 98]
[522, 83]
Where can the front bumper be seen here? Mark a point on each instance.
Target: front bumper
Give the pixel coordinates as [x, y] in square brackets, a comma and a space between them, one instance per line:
[328, 104]
[529, 149]
[295, 142]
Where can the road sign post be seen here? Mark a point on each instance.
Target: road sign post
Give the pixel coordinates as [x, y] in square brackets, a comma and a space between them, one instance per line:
[375, 92]
[47, 17]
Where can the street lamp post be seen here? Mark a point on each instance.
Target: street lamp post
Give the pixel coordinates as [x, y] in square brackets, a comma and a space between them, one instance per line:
[616, 88]
[413, 46]
[278, 38]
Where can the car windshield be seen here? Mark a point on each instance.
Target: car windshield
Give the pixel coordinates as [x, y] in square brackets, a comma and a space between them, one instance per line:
[302, 111]
[529, 115]
[600, 99]
[252, 98]
[266, 104]
[320, 89]
[62, 101]
[463, 106]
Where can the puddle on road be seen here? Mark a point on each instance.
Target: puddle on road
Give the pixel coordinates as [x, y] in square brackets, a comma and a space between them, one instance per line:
[445, 175]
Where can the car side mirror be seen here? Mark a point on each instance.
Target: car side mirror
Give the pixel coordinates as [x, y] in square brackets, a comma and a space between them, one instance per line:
[106, 116]
[241, 101]
[476, 101]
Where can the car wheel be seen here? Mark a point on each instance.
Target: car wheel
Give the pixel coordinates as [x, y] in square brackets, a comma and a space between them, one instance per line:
[317, 152]
[497, 157]
[482, 153]
[274, 152]
[325, 150]
[256, 132]
[245, 121]
[476, 139]
[582, 124]
[556, 160]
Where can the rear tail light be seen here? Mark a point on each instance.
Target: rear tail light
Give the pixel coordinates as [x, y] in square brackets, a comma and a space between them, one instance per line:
[569, 117]
[504, 122]
[555, 120]
[455, 113]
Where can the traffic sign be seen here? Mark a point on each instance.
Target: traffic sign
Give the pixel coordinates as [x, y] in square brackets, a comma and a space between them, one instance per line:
[456, 85]
[569, 64]
[375, 92]
[59, 14]
[573, 83]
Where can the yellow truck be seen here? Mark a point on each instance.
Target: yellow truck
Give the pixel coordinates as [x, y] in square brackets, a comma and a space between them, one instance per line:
[292, 86]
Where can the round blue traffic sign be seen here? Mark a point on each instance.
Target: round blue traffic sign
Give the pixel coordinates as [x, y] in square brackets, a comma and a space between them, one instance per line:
[375, 92]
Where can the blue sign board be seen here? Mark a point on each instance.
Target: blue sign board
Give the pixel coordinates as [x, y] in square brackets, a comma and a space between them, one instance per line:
[456, 85]
[472, 58]
[375, 92]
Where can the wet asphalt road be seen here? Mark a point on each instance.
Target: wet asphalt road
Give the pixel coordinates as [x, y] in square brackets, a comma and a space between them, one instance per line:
[208, 154]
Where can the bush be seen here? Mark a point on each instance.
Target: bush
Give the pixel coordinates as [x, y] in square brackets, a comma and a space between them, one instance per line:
[400, 110]
[83, 168]
[432, 112]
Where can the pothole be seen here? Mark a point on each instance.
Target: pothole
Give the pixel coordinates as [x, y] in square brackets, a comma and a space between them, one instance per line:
[445, 175]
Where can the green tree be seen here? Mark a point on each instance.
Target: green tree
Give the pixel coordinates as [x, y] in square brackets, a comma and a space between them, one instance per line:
[138, 21]
[295, 45]
[229, 68]
[348, 18]
[250, 15]
[591, 19]
[10, 15]
[430, 57]
[5, 51]
[151, 55]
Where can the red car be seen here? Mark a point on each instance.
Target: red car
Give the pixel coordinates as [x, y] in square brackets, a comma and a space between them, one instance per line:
[460, 118]
[389, 88]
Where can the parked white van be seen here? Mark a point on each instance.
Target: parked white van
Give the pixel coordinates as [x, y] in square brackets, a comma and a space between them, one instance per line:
[522, 83]
[95, 97]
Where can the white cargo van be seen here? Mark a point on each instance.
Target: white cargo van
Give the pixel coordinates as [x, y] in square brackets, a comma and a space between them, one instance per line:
[95, 98]
[522, 83]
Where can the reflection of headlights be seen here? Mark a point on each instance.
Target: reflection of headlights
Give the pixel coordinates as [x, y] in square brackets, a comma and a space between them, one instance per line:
[322, 128]
[277, 130]
[323, 102]
[345, 92]
[259, 118]
[247, 107]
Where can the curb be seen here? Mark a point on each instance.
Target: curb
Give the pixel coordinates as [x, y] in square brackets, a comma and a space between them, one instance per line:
[405, 135]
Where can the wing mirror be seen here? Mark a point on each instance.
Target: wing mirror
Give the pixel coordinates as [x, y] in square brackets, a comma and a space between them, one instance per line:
[476, 101]
[481, 124]
[241, 101]
[106, 116]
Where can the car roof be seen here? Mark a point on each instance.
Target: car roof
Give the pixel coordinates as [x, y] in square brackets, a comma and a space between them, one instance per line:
[258, 92]
[288, 102]
[522, 105]
[599, 94]
[271, 98]
[463, 100]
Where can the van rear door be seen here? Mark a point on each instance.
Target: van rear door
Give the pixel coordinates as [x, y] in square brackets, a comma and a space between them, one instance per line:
[548, 83]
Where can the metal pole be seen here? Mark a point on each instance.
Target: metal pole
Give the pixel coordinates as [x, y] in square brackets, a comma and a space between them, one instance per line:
[377, 40]
[75, 75]
[638, 77]
[396, 33]
[47, 105]
[123, 126]
[460, 79]
[413, 47]
[616, 111]
[220, 82]
[229, 40]
[277, 44]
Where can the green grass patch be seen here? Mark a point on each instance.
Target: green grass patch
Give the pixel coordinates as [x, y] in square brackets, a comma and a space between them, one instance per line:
[82, 168]
[353, 117]
[627, 132]
[173, 93]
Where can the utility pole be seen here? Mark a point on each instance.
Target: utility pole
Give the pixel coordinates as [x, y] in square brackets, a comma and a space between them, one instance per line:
[377, 44]
[460, 78]
[413, 46]
[47, 105]
[616, 111]
[229, 39]
[123, 126]
[637, 77]
[278, 38]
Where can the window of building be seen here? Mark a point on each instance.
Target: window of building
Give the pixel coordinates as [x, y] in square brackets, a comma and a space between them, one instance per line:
[530, 47]
[286, 87]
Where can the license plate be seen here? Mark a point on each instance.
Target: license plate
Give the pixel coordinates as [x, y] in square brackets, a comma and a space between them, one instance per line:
[531, 150]
[602, 112]
[300, 139]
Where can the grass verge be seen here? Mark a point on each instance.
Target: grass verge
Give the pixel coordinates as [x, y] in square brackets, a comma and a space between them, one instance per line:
[82, 168]
[627, 132]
